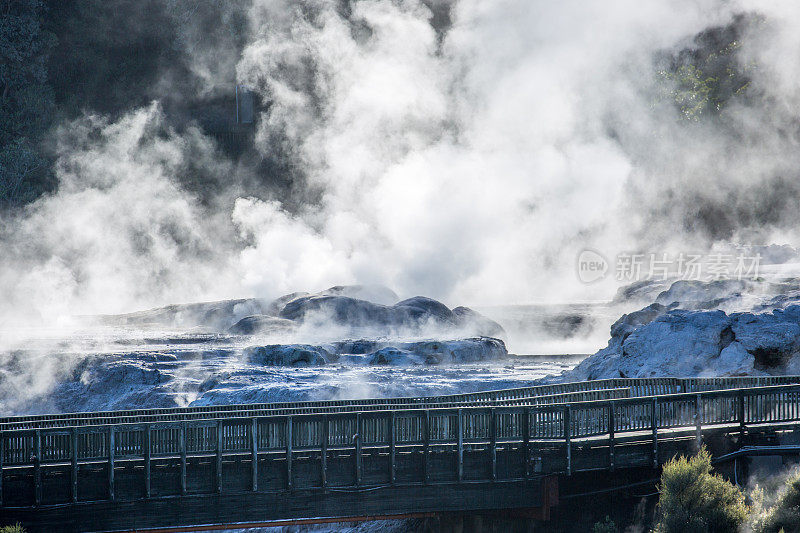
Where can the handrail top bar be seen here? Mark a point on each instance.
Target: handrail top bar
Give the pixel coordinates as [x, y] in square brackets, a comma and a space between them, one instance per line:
[266, 413]
[397, 399]
[453, 410]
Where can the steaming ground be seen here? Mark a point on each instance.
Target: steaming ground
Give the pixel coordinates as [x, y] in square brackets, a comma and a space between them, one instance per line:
[122, 369]
[103, 368]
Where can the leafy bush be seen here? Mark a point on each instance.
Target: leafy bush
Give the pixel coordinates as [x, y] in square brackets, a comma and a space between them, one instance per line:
[606, 526]
[695, 500]
[12, 529]
[785, 514]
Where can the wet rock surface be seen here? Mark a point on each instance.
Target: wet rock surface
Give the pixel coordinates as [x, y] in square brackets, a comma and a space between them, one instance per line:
[369, 310]
[682, 334]
[127, 370]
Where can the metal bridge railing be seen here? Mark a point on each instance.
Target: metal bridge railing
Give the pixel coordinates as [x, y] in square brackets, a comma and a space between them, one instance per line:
[636, 386]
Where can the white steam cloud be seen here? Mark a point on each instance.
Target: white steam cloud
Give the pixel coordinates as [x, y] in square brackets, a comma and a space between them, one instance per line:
[470, 162]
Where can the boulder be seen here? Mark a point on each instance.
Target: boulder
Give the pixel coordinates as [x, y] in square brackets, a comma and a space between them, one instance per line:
[373, 293]
[458, 351]
[263, 324]
[395, 357]
[289, 355]
[422, 308]
[338, 310]
[477, 324]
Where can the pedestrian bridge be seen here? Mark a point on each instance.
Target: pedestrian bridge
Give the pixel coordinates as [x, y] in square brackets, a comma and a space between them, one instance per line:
[184, 469]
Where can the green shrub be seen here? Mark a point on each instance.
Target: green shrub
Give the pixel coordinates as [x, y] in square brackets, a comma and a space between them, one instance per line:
[695, 500]
[605, 526]
[785, 514]
[12, 529]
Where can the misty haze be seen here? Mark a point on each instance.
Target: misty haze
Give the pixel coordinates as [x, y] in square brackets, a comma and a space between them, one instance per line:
[399, 265]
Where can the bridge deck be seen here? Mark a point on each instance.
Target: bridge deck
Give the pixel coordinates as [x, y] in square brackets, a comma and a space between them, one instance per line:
[151, 468]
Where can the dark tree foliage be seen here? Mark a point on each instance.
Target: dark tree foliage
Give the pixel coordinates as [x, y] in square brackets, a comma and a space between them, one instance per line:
[785, 514]
[695, 500]
[703, 78]
[26, 101]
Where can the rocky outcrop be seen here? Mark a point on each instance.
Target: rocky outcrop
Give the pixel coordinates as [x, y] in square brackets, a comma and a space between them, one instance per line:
[265, 324]
[367, 310]
[438, 352]
[379, 352]
[289, 355]
[657, 342]
[218, 316]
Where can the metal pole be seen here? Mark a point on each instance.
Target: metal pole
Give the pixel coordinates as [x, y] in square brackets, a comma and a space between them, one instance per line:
[567, 442]
[654, 425]
[324, 451]
[218, 469]
[611, 435]
[289, 453]
[37, 467]
[111, 463]
[147, 449]
[393, 450]
[460, 445]
[254, 453]
[183, 457]
[698, 417]
[493, 438]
